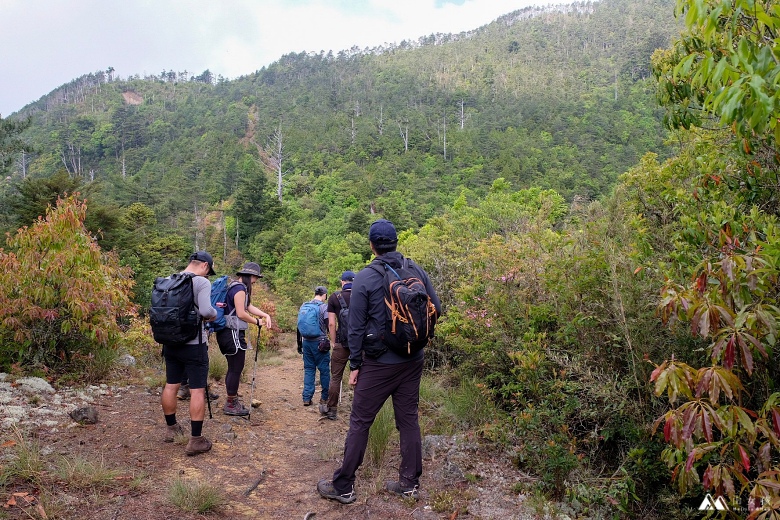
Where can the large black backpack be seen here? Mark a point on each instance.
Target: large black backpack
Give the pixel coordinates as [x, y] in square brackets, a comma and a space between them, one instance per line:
[343, 321]
[173, 315]
[411, 315]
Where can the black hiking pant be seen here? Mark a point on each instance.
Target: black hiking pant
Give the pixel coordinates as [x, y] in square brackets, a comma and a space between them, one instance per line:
[376, 382]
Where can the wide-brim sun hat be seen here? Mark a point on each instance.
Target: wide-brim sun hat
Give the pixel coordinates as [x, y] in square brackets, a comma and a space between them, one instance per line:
[250, 268]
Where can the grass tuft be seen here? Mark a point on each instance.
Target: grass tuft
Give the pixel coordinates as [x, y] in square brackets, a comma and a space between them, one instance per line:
[379, 434]
[196, 497]
[86, 474]
[469, 405]
[25, 462]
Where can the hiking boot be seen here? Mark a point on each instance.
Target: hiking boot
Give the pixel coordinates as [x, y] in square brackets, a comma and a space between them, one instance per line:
[172, 431]
[406, 492]
[184, 393]
[328, 412]
[234, 407]
[326, 490]
[197, 445]
[307, 403]
[213, 395]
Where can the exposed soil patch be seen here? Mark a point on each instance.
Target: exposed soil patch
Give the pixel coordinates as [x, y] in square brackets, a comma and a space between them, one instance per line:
[284, 445]
[132, 98]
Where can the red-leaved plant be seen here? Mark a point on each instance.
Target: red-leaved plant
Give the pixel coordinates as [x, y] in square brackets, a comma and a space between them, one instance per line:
[60, 296]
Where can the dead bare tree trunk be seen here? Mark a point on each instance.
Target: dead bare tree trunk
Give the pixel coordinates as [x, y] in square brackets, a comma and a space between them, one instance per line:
[404, 135]
[445, 135]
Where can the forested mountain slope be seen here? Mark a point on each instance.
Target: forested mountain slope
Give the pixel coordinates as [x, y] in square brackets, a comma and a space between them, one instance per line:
[556, 98]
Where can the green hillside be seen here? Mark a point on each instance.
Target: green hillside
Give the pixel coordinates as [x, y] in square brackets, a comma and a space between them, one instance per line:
[556, 98]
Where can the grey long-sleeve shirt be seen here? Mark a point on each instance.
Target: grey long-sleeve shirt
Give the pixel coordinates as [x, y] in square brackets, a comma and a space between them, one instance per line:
[201, 288]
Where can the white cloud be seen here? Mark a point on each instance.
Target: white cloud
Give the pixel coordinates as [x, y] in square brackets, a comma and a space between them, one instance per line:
[55, 42]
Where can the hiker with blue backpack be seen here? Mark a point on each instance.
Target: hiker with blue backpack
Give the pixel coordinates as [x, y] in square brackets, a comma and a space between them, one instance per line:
[236, 313]
[313, 344]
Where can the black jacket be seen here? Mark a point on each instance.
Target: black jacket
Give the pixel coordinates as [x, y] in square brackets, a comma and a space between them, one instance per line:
[368, 312]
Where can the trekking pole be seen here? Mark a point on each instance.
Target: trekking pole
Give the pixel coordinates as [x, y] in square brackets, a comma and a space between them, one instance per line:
[208, 397]
[254, 367]
[208, 400]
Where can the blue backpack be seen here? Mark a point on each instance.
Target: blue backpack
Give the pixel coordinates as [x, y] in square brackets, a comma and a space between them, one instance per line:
[310, 323]
[219, 291]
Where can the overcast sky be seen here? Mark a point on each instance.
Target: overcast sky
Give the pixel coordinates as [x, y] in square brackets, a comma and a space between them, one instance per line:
[46, 43]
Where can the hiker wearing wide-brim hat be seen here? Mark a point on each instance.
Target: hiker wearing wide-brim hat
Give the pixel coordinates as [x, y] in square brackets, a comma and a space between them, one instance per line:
[239, 313]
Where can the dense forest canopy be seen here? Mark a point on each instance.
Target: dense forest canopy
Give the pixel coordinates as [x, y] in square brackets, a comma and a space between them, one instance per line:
[556, 98]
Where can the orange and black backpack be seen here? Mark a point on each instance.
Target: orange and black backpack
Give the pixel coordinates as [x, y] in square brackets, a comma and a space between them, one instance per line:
[411, 315]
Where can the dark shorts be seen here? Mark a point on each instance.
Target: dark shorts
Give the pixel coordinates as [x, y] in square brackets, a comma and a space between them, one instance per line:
[230, 341]
[192, 359]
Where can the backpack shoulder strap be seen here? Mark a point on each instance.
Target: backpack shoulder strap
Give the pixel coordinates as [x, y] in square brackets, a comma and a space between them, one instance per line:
[342, 302]
[377, 268]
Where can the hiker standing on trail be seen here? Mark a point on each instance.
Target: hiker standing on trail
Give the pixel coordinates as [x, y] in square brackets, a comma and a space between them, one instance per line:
[239, 313]
[313, 344]
[379, 371]
[191, 358]
[337, 332]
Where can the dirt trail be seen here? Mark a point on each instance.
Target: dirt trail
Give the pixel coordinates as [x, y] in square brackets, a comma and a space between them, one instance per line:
[284, 444]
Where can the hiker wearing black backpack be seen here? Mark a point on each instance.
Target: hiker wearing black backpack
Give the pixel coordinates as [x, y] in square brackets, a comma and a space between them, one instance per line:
[314, 346]
[239, 313]
[177, 317]
[338, 314]
[392, 312]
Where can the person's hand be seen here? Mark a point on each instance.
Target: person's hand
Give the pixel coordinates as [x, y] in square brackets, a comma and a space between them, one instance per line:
[353, 375]
[267, 321]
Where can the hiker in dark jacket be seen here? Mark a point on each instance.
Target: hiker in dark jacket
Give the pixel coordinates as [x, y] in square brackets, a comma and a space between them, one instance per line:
[340, 354]
[378, 373]
[239, 312]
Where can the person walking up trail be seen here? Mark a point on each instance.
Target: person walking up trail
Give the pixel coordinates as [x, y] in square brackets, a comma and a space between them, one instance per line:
[239, 313]
[192, 358]
[386, 359]
[313, 344]
[338, 313]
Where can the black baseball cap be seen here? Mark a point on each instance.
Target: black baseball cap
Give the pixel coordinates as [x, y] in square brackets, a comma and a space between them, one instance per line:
[202, 256]
[382, 232]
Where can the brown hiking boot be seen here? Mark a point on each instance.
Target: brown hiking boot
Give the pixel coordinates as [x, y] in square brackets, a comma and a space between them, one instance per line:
[184, 393]
[172, 431]
[233, 406]
[197, 445]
